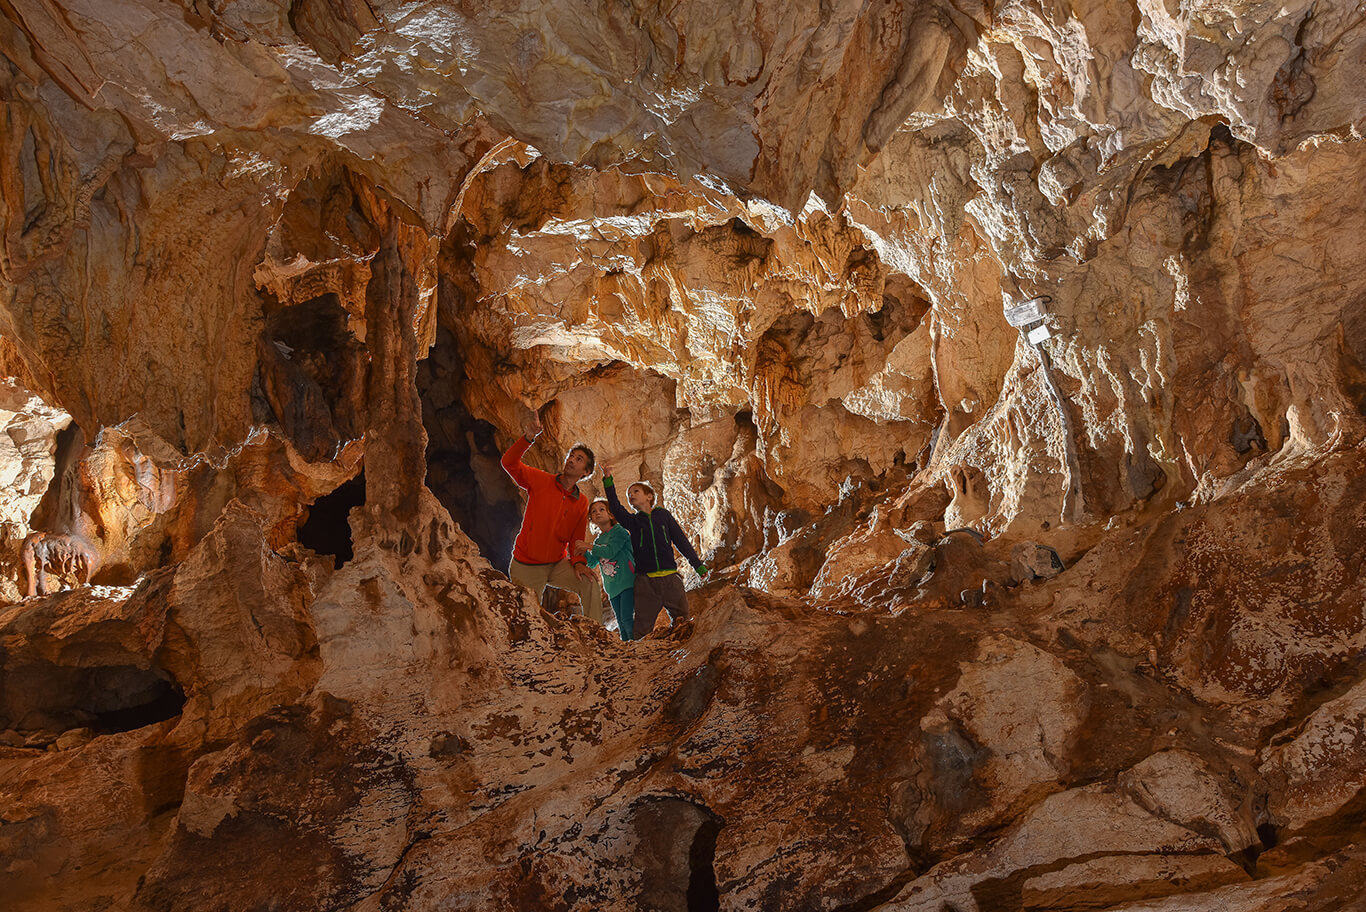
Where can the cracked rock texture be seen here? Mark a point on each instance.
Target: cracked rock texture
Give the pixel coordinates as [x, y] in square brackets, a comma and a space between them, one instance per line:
[1071, 624]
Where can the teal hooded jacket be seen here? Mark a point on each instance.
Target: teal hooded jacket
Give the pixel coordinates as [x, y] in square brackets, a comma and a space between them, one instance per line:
[611, 556]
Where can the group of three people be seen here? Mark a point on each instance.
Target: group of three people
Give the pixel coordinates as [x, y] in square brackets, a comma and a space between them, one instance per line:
[634, 551]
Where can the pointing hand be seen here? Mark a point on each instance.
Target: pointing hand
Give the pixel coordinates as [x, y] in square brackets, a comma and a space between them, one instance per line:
[532, 426]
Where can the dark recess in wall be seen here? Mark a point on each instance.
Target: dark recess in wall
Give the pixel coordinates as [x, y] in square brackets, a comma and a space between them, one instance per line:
[463, 458]
[310, 377]
[703, 893]
[327, 529]
[676, 854]
[39, 695]
[161, 700]
[59, 507]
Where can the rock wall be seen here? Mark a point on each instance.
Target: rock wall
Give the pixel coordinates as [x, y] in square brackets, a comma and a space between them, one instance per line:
[994, 624]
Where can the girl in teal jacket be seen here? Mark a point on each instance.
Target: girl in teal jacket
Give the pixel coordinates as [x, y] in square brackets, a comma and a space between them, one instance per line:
[611, 556]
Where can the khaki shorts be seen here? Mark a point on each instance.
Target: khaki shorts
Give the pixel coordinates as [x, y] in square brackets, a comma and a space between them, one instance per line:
[560, 575]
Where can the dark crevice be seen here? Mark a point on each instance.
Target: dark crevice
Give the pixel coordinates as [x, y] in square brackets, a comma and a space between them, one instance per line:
[59, 507]
[328, 529]
[165, 701]
[676, 855]
[1267, 840]
[40, 696]
[310, 377]
[703, 893]
[463, 457]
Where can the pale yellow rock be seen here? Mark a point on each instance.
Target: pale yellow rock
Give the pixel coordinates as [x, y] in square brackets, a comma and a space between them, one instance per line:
[1077, 824]
[1122, 877]
[27, 462]
[1180, 786]
[1313, 775]
[1024, 707]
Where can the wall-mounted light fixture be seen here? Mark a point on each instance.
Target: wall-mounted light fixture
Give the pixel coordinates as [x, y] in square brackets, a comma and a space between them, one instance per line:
[1029, 318]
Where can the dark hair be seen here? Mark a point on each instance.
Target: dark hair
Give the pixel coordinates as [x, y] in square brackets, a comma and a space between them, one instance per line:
[644, 485]
[610, 517]
[592, 460]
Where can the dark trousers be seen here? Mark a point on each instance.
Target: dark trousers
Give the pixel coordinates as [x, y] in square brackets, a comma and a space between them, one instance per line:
[654, 593]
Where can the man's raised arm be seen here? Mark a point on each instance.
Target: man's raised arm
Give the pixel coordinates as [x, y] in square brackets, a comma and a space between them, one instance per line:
[512, 459]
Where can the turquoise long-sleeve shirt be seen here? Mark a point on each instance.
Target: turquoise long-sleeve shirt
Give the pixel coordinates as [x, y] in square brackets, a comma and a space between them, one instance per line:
[611, 556]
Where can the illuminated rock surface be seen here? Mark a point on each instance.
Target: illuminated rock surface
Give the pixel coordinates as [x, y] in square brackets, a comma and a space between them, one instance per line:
[993, 625]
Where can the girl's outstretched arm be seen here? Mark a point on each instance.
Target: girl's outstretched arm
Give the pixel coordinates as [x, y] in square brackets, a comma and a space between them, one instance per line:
[599, 550]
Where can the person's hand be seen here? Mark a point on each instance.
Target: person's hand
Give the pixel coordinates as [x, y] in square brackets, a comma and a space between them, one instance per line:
[581, 546]
[606, 470]
[532, 426]
[702, 571]
[583, 572]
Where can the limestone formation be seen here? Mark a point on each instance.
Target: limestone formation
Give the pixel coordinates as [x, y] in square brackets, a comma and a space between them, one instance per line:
[998, 620]
[49, 556]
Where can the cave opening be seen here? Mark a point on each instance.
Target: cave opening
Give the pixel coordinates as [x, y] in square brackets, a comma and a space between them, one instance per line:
[1266, 832]
[464, 462]
[59, 507]
[327, 530]
[676, 854]
[156, 700]
[703, 893]
[311, 376]
[43, 696]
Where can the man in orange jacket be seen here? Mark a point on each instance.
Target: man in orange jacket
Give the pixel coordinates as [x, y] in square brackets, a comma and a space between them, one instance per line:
[556, 517]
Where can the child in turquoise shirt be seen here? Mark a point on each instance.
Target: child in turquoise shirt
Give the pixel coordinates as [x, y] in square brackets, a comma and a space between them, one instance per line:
[611, 556]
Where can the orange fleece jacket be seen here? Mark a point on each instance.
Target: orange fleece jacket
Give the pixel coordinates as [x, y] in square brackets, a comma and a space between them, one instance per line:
[554, 518]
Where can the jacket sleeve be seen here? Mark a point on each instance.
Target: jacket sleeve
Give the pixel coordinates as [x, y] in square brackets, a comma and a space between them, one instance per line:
[601, 548]
[618, 511]
[580, 535]
[512, 462]
[680, 541]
